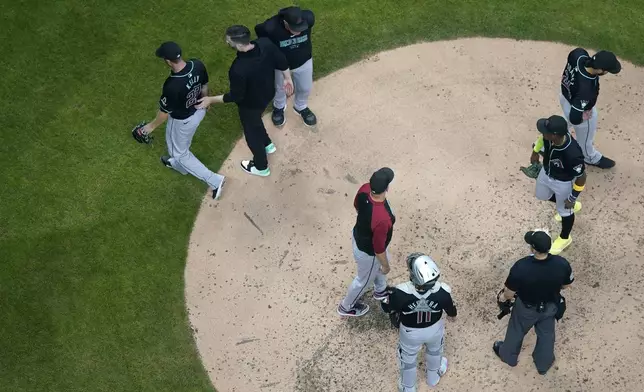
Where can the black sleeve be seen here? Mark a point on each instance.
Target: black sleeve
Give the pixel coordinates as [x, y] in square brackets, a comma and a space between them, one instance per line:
[575, 116]
[167, 101]
[309, 17]
[205, 73]
[237, 87]
[260, 30]
[396, 301]
[281, 63]
[570, 277]
[513, 282]
[449, 306]
[577, 164]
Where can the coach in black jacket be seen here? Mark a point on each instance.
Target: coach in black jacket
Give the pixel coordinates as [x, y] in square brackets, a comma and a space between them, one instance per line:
[290, 31]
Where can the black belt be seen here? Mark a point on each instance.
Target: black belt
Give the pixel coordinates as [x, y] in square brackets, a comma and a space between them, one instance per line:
[539, 307]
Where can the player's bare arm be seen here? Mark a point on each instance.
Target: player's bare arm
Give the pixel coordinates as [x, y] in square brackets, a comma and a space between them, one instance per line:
[204, 90]
[508, 294]
[288, 82]
[205, 102]
[160, 119]
[384, 262]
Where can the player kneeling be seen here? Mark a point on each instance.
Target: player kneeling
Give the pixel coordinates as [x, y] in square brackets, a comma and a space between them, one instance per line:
[416, 308]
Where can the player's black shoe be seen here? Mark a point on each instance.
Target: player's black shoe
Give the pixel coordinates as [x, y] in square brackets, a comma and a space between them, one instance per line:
[307, 116]
[165, 159]
[604, 163]
[278, 117]
[359, 309]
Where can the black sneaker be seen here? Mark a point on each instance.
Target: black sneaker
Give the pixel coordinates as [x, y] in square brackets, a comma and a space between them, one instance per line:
[359, 309]
[278, 117]
[307, 116]
[166, 161]
[604, 163]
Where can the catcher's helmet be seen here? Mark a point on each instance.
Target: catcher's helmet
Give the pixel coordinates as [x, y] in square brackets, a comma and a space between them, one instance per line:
[423, 271]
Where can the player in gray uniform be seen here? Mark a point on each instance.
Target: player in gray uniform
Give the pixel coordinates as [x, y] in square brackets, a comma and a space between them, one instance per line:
[188, 81]
[419, 305]
[579, 92]
[563, 175]
[290, 31]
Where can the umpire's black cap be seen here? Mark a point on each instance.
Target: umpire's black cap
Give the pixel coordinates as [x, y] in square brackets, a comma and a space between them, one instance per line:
[607, 61]
[540, 241]
[380, 180]
[555, 125]
[169, 51]
[293, 16]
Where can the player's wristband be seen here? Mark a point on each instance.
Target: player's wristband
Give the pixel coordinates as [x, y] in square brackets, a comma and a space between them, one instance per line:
[538, 145]
[578, 188]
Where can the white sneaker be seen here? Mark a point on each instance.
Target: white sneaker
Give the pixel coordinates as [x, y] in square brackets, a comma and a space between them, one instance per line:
[433, 377]
[249, 167]
[270, 149]
[216, 193]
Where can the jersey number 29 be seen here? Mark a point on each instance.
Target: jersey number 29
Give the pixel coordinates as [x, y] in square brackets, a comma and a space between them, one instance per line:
[193, 95]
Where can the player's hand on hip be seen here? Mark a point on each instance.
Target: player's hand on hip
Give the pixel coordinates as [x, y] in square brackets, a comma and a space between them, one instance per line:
[385, 269]
[204, 103]
[288, 87]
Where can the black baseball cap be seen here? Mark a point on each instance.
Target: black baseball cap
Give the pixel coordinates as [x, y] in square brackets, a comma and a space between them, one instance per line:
[293, 16]
[169, 51]
[554, 125]
[607, 61]
[380, 180]
[540, 241]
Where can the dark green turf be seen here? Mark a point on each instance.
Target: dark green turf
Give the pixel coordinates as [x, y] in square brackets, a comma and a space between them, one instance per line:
[93, 230]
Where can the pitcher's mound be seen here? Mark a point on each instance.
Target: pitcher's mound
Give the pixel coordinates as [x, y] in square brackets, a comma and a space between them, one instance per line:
[270, 261]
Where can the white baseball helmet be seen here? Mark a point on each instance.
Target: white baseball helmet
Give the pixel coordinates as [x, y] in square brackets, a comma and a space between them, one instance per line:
[423, 271]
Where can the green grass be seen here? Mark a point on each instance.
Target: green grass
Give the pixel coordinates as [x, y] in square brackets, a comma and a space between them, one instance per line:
[93, 230]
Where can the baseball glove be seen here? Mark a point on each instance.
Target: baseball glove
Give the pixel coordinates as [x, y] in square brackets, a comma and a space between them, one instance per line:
[139, 136]
[532, 171]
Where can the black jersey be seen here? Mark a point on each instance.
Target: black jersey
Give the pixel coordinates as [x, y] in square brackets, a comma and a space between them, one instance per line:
[537, 281]
[565, 162]
[421, 310]
[578, 86]
[181, 90]
[296, 48]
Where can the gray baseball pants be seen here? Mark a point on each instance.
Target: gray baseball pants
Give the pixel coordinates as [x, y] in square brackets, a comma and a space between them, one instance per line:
[368, 273]
[584, 132]
[548, 186]
[178, 136]
[522, 319]
[303, 83]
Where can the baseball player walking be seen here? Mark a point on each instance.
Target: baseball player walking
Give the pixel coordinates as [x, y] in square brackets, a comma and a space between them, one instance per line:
[579, 91]
[188, 81]
[535, 281]
[290, 31]
[252, 86]
[563, 175]
[419, 304]
[371, 236]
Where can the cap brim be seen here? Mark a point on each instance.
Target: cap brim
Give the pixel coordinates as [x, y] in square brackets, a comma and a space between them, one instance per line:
[527, 236]
[618, 67]
[541, 125]
[298, 28]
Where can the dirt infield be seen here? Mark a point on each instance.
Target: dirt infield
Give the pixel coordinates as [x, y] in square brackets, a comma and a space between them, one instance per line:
[268, 263]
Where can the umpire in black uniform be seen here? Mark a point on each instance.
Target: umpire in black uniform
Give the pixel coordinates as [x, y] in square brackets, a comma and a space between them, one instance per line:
[252, 87]
[535, 282]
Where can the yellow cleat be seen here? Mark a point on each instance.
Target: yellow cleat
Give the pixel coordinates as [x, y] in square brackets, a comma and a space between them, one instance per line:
[575, 210]
[559, 245]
